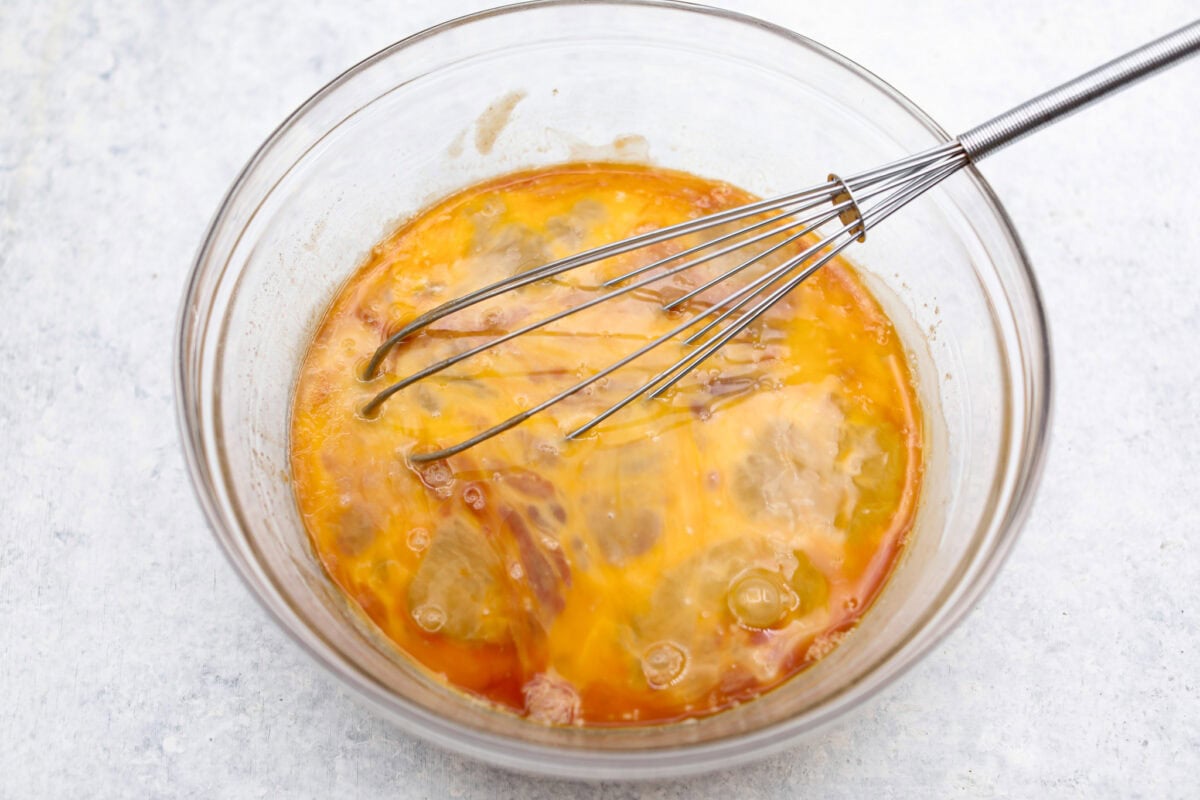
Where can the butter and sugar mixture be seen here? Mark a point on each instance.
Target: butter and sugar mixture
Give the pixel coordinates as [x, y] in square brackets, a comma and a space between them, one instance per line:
[693, 550]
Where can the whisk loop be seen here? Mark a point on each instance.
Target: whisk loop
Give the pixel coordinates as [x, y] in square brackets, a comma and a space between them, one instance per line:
[858, 202]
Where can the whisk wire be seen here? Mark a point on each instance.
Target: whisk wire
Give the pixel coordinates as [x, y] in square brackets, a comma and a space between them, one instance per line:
[784, 213]
[724, 276]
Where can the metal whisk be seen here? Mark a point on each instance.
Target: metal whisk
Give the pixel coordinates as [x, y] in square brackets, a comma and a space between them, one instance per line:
[857, 203]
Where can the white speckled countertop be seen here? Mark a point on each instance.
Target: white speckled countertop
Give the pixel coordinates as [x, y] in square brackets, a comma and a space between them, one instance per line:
[133, 663]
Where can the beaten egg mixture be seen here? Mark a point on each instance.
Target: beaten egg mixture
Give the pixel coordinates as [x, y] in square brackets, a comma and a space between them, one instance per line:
[689, 553]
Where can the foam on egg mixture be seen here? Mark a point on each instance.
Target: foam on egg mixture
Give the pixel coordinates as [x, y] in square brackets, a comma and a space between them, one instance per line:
[694, 550]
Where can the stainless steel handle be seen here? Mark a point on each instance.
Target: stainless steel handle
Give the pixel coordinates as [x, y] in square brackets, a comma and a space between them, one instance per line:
[1073, 95]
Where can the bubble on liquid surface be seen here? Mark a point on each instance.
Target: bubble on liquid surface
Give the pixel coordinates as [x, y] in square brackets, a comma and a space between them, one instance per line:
[663, 664]
[418, 540]
[473, 496]
[759, 598]
[435, 474]
[431, 618]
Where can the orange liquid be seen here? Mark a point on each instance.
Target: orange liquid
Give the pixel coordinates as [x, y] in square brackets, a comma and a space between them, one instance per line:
[694, 550]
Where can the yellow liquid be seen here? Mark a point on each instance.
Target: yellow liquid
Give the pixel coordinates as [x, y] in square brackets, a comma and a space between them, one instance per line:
[694, 550]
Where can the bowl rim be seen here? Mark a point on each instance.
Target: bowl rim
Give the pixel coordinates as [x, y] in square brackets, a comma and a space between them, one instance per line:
[688, 759]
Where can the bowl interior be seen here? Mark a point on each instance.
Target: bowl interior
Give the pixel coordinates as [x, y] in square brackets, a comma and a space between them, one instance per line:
[676, 86]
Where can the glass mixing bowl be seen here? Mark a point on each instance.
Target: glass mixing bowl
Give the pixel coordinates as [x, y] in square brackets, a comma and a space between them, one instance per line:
[677, 85]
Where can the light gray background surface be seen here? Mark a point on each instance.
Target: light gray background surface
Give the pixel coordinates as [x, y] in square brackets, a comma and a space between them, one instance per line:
[133, 663]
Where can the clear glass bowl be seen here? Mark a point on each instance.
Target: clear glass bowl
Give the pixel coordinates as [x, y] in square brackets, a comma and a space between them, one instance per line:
[710, 92]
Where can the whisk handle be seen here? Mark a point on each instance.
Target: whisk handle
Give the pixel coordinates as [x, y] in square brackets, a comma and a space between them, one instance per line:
[1073, 95]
